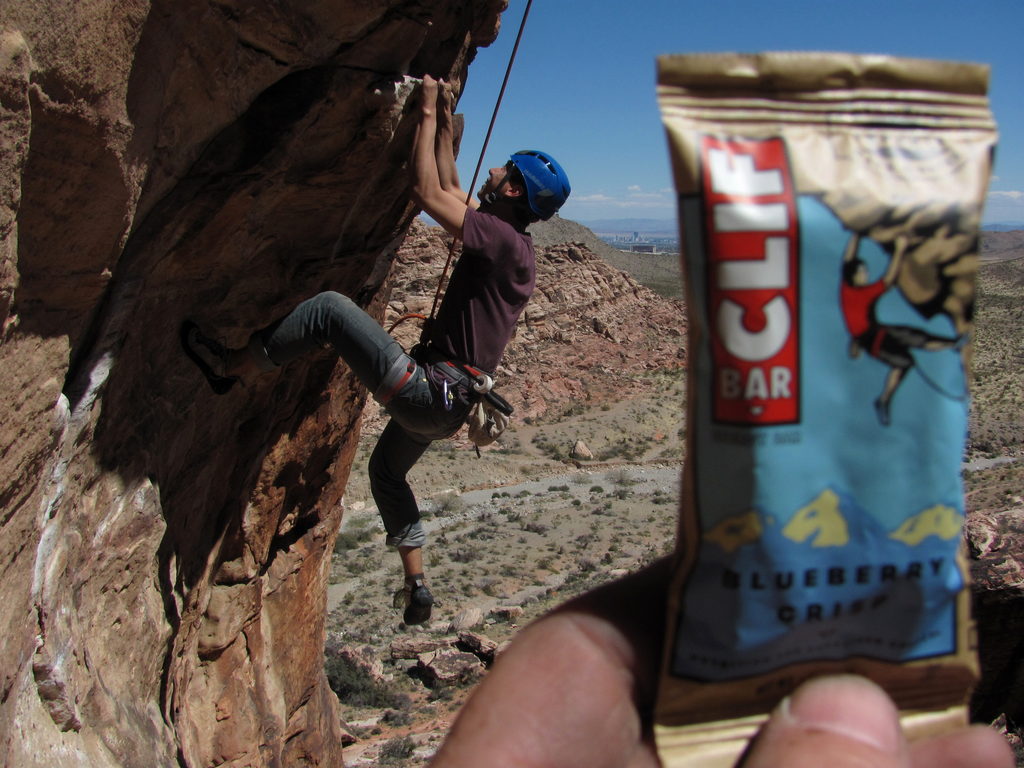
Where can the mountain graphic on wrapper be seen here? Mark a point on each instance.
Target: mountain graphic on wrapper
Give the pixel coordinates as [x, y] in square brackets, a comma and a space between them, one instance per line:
[826, 582]
[822, 523]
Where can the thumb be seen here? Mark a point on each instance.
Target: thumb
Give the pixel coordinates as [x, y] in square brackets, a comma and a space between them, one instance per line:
[840, 722]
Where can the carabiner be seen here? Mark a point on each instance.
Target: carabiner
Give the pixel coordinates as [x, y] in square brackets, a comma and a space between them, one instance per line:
[446, 394]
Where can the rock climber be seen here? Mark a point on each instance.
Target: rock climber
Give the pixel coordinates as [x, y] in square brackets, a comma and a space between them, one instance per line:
[890, 344]
[425, 393]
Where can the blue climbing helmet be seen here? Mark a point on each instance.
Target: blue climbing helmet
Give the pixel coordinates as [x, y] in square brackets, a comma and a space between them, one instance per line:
[547, 185]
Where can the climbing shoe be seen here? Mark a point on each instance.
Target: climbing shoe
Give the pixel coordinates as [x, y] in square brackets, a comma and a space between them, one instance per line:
[209, 356]
[418, 601]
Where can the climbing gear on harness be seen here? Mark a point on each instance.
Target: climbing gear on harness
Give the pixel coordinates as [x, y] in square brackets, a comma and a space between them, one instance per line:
[547, 184]
[486, 423]
[477, 382]
[194, 343]
[482, 385]
[447, 395]
[489, 414]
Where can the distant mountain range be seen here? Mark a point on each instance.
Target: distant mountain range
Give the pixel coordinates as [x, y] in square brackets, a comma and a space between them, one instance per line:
[658, 271]
[659, 226]
[647, 226]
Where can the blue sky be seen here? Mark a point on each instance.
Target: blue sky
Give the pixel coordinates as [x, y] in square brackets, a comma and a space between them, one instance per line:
[583, 83]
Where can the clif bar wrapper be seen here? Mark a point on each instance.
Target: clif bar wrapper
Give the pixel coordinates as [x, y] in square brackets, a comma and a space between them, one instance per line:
[829, 206]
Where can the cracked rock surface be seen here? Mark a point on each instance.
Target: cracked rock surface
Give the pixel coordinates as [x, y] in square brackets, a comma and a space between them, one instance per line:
[164, 551]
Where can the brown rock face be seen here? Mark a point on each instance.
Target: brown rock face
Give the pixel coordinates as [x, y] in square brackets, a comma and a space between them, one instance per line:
[997, 574]
[163, 551]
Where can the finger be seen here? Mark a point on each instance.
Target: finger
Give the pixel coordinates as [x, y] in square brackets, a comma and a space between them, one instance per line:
[570, 681]
[632, 610]
[973, 747]
[839, 722]
[557, 698]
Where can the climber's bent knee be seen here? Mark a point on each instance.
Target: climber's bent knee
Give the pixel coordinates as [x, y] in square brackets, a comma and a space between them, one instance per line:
[410, 536]
[258, 352]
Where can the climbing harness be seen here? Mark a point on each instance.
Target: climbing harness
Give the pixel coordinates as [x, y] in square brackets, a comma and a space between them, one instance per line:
[472, 185]
[479, 385]
[489, 413]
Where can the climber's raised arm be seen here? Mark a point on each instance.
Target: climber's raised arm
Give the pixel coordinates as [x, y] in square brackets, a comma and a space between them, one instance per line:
[444, 148]
[441, 205]
[899, 248]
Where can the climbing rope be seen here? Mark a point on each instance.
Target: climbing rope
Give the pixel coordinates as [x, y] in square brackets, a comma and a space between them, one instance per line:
[476, 173]
[960, 397]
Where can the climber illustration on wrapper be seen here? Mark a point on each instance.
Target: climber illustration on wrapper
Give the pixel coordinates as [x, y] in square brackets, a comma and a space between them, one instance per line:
[806, 293]
[891, 344]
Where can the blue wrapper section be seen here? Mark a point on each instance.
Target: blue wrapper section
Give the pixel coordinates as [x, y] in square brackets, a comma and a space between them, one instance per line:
[835, 536]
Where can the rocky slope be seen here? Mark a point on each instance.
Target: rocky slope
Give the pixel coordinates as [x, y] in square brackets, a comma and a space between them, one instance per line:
[164, 552]
[661, 272]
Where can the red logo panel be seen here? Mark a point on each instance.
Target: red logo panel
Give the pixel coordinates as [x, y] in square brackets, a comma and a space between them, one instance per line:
[751, 237]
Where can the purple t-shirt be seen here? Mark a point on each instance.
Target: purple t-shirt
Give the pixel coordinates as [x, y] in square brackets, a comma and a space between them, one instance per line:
[488, 290]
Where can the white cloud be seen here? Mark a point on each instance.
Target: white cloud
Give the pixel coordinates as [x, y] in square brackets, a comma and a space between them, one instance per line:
[643, 203]
[1002, 206]
[637, 192]
[652, 201]
[603, 206]
[647, 196]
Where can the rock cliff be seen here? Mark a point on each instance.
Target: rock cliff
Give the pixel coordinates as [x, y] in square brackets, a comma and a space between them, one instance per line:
[164, 551]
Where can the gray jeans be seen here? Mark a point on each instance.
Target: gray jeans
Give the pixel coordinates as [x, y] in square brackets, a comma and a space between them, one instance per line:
[418, 410]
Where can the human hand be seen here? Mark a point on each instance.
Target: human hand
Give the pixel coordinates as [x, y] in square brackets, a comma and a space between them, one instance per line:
[849, 722]
[429, 94]
[573, 689]
[576, 688]
[445, 102]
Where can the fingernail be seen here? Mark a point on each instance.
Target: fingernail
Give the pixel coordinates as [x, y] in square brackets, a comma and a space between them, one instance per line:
[848, 706]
